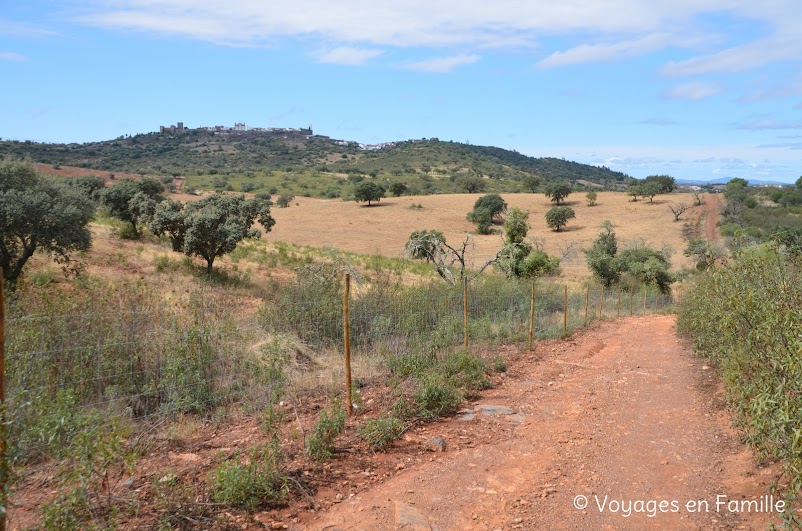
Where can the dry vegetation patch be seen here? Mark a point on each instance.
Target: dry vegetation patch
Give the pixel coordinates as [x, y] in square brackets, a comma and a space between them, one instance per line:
[385, 227]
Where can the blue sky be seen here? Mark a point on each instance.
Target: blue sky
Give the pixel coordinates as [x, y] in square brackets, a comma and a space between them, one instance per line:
[698, 89]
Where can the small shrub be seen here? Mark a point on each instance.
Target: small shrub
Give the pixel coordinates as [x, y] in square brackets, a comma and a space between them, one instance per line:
[436, 398]
[165, 263]
[380, 433]
[499, 365]
[320, 443]
[256, 483]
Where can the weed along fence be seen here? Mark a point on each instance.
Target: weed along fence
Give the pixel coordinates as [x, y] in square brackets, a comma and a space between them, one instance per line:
[106, 354]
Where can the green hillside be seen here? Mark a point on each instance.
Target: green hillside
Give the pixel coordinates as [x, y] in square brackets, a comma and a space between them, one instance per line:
[312, 165]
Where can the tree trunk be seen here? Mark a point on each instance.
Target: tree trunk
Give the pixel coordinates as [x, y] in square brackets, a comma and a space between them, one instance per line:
[209, 264]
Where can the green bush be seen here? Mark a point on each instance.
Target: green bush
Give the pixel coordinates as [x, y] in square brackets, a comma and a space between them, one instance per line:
[745, 317]
[380, 433]
[436, 397]
[256, 483]
[320, 443]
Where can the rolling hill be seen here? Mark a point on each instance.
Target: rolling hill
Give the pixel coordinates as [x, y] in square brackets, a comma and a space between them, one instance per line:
[294, 162]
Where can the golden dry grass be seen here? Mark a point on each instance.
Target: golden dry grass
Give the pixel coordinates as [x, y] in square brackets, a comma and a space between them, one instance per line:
[385, 227]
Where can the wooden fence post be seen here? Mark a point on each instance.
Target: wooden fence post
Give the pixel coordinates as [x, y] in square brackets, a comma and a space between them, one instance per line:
[645, 294]
[347, 344]
[631, 294]
[601, 304]
[465, 310]
[4, 468]
[532, 318]
[565, 311]
[587, 300]
[619, 301]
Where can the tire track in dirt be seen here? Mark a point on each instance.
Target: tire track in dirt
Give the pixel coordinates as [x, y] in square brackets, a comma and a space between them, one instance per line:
[623, 411]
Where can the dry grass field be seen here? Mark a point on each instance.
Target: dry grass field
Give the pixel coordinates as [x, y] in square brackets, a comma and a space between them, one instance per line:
[385, 227]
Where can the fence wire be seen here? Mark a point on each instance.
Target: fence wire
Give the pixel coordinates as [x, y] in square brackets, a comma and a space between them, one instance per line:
[148, 358]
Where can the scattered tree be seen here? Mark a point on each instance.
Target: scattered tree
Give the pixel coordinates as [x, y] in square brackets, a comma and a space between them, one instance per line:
[39, 214]
[677, 210]
[600, 257]
[449, 262]
[704, 252]
[90, 185]
[697, 198]
[368, 191]
[557, 192]
[532, 182]
[472, 184]
[638, 263]
[212, 226]
[665, 183]
[485, 210]
[284, 200]
[591, 198]
[518, 258]
[493, 203]
[557, 217]
[798, 183]
[398, 189]
[482, 218]
[650, 189]
[635, 189]
[127, 199]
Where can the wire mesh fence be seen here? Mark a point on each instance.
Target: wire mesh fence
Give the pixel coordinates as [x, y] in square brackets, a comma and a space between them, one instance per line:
[139, 357]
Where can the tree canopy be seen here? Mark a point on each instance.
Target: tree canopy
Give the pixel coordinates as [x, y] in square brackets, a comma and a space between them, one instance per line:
[38, 213]
[368, 191]
[493, 203]
[557, 217]
[519, 258]
[557, 192]
[532, 182]
[212, 226]
[638, 262]
[129, 200]
[398, 189]
[665, 183]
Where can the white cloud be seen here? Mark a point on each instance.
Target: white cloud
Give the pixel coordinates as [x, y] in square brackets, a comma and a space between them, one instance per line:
[12, 56]
[613, 29]
[693, 91]
[348, 55]
[442, 65]
[10, 28]
[740, 58]
[606, 52]
[768, 124]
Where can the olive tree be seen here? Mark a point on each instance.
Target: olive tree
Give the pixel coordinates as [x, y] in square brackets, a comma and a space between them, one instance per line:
[39, 214]
[212, 226]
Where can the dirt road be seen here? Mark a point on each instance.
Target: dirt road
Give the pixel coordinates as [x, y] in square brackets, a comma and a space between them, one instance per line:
[711, 217]
[624, 412]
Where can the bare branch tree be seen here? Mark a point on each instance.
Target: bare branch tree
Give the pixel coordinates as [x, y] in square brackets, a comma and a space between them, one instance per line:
[697, 198]
[449, 261]
[677, 210]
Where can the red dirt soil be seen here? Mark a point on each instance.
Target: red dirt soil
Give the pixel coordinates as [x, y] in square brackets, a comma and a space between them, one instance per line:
[624, 411]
